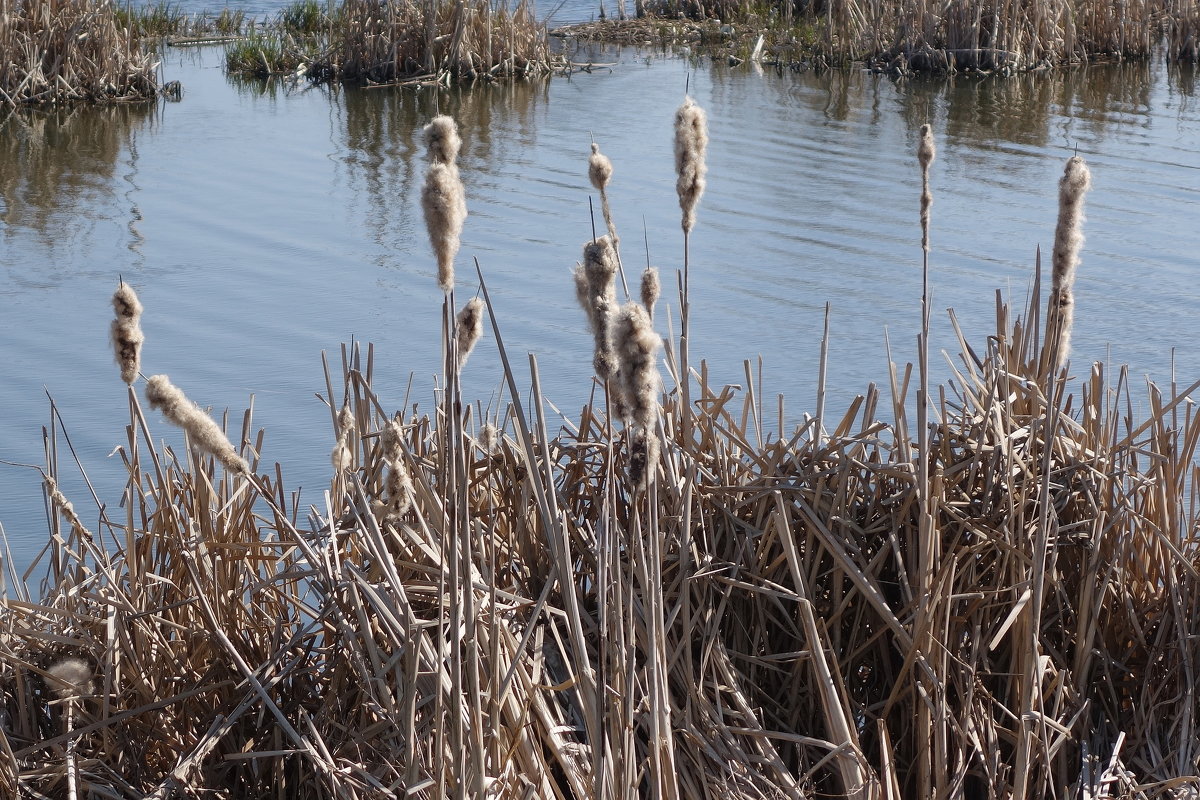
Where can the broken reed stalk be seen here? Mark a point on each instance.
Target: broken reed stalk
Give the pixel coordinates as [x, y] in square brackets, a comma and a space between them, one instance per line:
[1068, 240]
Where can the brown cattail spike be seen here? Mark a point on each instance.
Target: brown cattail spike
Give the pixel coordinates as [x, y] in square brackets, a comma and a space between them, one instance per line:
[468, 328]
[126, 331]
[203, 432]
[1068, 240]
[691, 141]
[926, 152]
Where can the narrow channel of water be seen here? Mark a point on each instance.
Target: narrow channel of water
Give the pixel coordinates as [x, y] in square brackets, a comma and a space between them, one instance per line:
[263, 225]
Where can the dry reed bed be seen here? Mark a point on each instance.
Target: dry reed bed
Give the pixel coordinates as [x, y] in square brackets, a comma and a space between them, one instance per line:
[383, 43]
[925, 36]
[492, 607]
[70, 51]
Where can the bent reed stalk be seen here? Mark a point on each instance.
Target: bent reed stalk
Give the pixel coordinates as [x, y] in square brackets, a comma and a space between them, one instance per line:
[509, 612]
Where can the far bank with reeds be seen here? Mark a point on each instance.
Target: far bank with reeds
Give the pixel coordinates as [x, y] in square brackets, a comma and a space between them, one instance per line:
[909, 36]
[372, 42]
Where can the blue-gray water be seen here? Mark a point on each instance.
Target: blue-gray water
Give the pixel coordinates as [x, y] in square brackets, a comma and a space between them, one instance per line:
[262, 226]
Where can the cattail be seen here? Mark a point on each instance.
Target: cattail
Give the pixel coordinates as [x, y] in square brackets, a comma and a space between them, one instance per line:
[651, 289]
[442, 140]
[598, 294]
[489, 435]
[204, 433]
[397, 486]
[925, 155]
[126, 331]
[691, 140]
[637, 344]
[60, 501]
[72, 677]
[639, 382]
[600, 171]
[342, 456]
[1068, 239]
[445, 206]
[468, 328]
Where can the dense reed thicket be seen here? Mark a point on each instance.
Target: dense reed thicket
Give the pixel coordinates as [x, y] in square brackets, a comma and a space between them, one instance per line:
[672, 596]
[70, 51]
[379, 42]
[921, 35]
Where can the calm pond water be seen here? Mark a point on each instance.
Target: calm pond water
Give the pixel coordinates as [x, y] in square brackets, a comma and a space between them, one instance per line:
[261, 226]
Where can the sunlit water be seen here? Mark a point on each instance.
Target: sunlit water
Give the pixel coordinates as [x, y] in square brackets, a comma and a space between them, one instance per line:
[263, 226]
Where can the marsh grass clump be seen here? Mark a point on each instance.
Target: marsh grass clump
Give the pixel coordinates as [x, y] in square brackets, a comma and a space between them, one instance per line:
[71, 51]
[702, 604]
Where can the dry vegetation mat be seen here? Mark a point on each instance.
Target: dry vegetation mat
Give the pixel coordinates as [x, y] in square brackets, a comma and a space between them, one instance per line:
[70, 51]
[670, 596]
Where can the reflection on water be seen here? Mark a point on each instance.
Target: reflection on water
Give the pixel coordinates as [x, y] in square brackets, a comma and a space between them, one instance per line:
[59, 167]
[263, 223]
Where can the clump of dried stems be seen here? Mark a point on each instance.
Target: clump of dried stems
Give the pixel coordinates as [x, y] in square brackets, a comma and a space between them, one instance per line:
[510, 614]
[405, 41]
[70, 51]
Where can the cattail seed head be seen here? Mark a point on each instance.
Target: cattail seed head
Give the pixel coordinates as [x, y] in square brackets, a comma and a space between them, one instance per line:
[1068, 240]
[72, 677]
[342, 456]
[445, 205]
[468, 328]
[392, 441]
[926, 151]
[600, 169]
[651, 289]
[442, 140]
[643, 458]
[489, 435]
[200, 428]
[637, 345]
[126, 332]
[397, 484]
[595, 285]
[691, 141]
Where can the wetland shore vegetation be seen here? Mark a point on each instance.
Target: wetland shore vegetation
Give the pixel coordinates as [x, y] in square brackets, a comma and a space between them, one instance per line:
[673, 594]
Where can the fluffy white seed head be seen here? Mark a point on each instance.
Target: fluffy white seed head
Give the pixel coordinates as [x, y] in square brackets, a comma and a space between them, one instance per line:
[201, 429]
[691, 142]
[71, 677]
[442, 140]
[126, 332]
[445, 205]
[468, 328]
[600, 169]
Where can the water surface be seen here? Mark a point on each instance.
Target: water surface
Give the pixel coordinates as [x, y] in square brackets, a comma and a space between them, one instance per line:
[263, 225]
